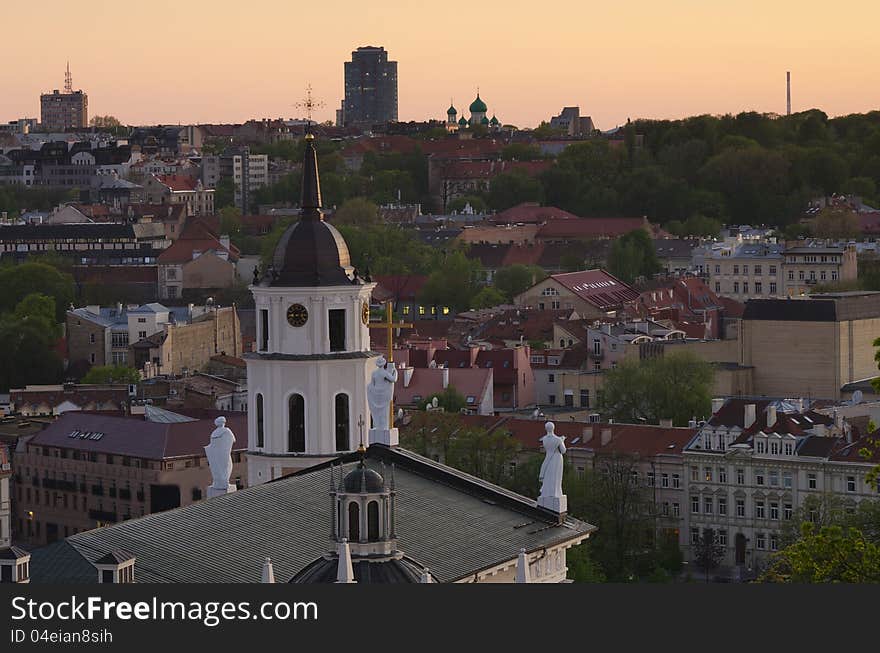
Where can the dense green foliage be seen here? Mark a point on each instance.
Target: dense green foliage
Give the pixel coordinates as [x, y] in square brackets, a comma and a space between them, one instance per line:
[29, 332]
[633, 256]
[111, 374]
[827, 554]
[676, 386]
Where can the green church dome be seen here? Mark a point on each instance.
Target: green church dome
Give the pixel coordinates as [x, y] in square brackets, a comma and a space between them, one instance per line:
[484, 121]
[451, 111]
[478, 106]
[463, 121]
[494, 121]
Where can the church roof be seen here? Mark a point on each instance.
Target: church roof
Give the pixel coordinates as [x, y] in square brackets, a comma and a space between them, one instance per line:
[393, 570]
[311, 252]
[451, 522]
[478, 106]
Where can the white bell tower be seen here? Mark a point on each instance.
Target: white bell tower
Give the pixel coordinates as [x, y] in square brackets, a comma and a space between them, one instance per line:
[307, 380]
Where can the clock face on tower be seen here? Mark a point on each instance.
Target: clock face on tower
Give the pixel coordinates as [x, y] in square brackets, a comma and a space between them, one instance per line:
[365, 313]
[297, 315]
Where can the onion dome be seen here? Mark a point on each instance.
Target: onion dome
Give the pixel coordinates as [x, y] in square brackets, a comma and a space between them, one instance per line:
[311, 252]
[462, 122]
[478, 106]
[484, 120]
[451, 111]
[494, 122]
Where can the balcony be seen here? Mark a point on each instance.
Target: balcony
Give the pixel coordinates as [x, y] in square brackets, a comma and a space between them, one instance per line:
[102, 515]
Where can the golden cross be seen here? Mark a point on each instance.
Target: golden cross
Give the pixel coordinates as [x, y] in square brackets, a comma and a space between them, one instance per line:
[309, 103]
[389, 325]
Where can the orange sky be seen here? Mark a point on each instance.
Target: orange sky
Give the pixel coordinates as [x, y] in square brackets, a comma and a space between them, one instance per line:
[220, 61]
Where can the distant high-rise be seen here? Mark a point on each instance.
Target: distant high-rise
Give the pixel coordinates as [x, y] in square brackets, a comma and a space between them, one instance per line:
[370, 88]
[61, 111]
[788, 93]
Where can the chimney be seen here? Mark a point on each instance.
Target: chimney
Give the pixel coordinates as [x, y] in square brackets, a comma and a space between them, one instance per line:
[771, 416]
[587, 434]
[444, 371]
[717, 403]
[606, 437]
[748, 415]
[666, 423]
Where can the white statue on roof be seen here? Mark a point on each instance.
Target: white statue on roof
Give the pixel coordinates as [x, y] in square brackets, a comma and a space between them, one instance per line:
[219, 453]
[380, 393]
[551, 496]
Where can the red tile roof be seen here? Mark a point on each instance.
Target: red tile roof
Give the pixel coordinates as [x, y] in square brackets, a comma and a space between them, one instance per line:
[399, 287]
[589, 228]
[469, 382]
[597, 287]
[129, 436]
[197, 235]
[178, 183]
[531, 212]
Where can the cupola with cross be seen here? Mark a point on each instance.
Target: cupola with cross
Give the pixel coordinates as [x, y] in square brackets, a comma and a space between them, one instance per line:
[307, 378]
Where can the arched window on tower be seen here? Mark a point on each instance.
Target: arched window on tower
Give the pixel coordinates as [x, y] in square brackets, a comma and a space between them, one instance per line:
[342, 423]
[261, 438]
[296, 424]
[373, 521]
[354, 522]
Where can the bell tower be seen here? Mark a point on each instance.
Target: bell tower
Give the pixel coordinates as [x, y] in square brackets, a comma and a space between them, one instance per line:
[307, 379]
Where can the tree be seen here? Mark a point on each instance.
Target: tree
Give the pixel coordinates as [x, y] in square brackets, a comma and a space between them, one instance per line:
[19, 281]
[453, 283]
[38, 311]
[521, 152]
[708, 553]
[835, 223]
[483, 454]
[512, 280]
[230, 221]
[224, 194]
[696, 225]
[830, 554]
[29, 334]
[512, 188]
[633, 256]
[104, 121]
[450, 400]
[676, 386]
[581, 566]
[105, 374]
[357, 211]
[487, 298]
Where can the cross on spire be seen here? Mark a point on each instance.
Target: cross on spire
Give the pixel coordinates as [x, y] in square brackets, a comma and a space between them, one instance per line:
[309, 103]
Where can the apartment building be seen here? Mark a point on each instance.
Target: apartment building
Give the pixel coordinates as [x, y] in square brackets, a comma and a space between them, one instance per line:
[755, 463]
[806, 267]
[85, 471]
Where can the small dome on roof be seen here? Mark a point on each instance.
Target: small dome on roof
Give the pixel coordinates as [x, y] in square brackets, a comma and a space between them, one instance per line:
[451, 111]
[494, 121]
[484, 121]
[463, 121]
[363, 479]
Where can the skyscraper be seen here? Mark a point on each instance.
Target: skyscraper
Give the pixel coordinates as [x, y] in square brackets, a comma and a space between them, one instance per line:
[370, 88]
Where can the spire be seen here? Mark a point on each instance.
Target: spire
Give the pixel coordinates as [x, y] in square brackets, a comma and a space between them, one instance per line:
[345, 572]
[268, 571]
[311, 183]
[523, 575]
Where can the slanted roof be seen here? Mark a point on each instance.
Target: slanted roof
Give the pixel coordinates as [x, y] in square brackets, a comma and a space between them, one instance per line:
[598, 287]
[449, 521]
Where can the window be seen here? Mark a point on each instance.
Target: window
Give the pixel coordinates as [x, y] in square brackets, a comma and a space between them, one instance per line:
[788, 448]
[722, 475]
[664, 480]
[741, 477]
[676, 481]
[261, 433]
[722, 538]
[722, 505]
[811, 481]
[551, 399]
[791, 275]
[585, 398]
[92, 338]
[850, 483]
[707, 505]
[707, 472]
[772, 269]
[142, 334]
[759, 509]
[597, 347]
[759, 287]
[774, 541]
[372, 519]
[736, 286]
[354, 522]
[772, 287]
[786, 479]
[551, 378]
[760, 541]
[649, 479]
[760, 445]
[786, 511]
[695, 473]
[800, 275]
[717, 269]
[676, 510]
[745, 287]
[336, 328]
[264, 329]
[759, 477]
[745, 269]
[664, 509]
[296, 426]
[740, 507]
[757, 269]
[774, 510]
[774, 447]
[717, 286]
[736, 269]
[695, 505]
[342, 423]
[92, 357]
[695, 535]
[774, 477]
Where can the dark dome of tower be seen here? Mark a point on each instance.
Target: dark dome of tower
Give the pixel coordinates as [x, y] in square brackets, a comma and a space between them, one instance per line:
[389, 570]
[363, 479]
[311, 252]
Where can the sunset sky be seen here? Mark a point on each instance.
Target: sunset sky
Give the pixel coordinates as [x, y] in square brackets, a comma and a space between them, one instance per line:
[168, 61]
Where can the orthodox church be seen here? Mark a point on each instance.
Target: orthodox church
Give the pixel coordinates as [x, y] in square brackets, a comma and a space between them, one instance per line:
[478, 111]
[332, 497]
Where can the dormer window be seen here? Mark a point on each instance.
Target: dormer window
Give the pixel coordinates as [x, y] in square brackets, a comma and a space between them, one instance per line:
[774, 448]
[788, 448]
[116, 567]
[760, 445]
